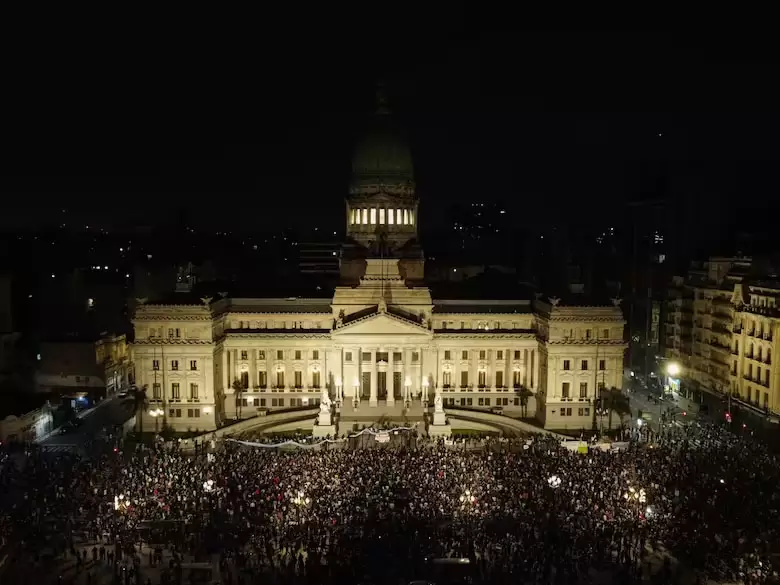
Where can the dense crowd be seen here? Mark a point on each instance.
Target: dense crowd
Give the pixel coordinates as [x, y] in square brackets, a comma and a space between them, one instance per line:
[527, 510]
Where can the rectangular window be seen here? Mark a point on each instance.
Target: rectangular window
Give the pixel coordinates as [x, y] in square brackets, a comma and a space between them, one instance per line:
[155, 364]
[315, 355]
[447, 379]
[588, 334]
[400, 216]
[298, 379]
[500, 379]
[174, 365]
[175, 394]
[280, 380]
[245, 380]
[565, 390]
[194, 365]
[244, 355]
[605, 334]
[263, 379]
[261, 354]
[602, 365]
[482, 354]
[587, 411]
[390, 218]
[584, 365]
[499, 355]
[381, 216]
[194, 392]
[366, 356]
[567, 365]
[297, 354]
[397, 357]
[373, 216]
[178, 333]
[447, 354]
[517, 355]
[464, 379]
[347, 356]
[151, 332]
[156, 391]
[464, 355]
[279, 354]
[583, 389]
[315, 379]
[482, 378]
[365, 216]
[170, 333]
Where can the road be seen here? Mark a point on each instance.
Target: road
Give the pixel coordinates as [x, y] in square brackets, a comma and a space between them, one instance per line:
[114, 412]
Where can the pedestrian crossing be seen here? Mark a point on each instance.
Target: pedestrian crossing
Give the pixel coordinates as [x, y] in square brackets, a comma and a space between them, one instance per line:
[59, 448]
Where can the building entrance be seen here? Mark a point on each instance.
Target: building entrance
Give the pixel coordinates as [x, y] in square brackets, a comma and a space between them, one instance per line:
[381, 379]
[365, 387]
[397, 385]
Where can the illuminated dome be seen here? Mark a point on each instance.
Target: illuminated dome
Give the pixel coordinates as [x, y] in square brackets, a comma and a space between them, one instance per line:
[382, 206]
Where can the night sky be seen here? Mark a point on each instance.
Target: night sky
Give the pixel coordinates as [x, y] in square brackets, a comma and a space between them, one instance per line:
[545, 122]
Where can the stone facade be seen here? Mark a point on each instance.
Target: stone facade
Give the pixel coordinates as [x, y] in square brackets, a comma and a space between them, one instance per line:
[721, 322]
[381, 340]
[246, 356]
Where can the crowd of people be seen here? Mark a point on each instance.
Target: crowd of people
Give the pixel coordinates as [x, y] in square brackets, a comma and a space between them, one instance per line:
[528, 510]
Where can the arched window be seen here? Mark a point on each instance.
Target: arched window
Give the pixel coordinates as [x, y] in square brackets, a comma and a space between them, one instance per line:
[372, 217]
[382, 215]
[390, 218]
[365, 216]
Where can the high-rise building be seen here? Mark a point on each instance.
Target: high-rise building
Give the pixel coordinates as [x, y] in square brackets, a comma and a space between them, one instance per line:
[721, 322]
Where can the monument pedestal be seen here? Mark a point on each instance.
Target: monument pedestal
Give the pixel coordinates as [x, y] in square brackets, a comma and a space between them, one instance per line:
[322, 431]
[440, 426]
[324, 426]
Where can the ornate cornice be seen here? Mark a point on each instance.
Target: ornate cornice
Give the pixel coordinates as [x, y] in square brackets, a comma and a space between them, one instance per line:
[589, 342]
[157, 341]
[473, 335]
[145, 316]
[586, 317]
[281, 335]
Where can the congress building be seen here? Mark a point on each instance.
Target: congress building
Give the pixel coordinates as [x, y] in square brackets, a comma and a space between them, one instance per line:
[382, 346]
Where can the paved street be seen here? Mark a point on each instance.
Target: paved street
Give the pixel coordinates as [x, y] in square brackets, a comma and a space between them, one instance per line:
[114, 412]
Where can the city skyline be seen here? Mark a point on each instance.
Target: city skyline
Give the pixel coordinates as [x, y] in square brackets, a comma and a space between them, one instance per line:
[555, 136]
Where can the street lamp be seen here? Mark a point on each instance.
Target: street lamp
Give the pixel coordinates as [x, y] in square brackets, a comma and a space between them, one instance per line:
[673, 369]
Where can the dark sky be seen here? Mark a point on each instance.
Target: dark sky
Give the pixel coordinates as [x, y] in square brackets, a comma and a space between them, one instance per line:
[574, 124]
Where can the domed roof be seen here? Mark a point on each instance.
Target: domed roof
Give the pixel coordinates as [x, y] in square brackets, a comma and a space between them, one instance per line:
[382, 155]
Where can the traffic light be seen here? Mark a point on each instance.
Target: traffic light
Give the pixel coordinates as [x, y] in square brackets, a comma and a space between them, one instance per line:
[728, 417]
[685, 413]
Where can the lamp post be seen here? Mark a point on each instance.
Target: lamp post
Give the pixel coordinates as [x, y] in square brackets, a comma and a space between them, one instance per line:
[156, 413]
[672, 371]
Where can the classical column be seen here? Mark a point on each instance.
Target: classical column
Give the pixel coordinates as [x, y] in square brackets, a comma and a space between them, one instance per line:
[253, 381]
[421, 373]
[493, 366]
[372, 399]
[390, 376]
[474, 370]
[306, 381]
[270, 373]
[340, 382]
[225, 370]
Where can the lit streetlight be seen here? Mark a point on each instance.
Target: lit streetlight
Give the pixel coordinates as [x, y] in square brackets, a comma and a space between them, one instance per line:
[156, 413]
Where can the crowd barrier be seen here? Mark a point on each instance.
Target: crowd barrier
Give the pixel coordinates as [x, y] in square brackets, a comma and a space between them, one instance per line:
[382, 433]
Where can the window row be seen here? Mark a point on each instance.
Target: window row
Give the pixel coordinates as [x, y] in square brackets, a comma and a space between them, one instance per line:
[275, 402]
[381, 216]
[296, 354]
[482, 379]
[481, 401]
[175, 365]
[585, 411]
[585, 334]
[279, 380]
[175, 395]
[584, 365]
[191, 413]
[566, 389]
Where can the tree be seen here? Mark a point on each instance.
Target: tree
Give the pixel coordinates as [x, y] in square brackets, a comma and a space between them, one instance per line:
[239, 389]
[523, 394]
[615, 401]
[140, 404]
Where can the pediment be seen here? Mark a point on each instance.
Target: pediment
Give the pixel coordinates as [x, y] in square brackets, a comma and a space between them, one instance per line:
[382, 324]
